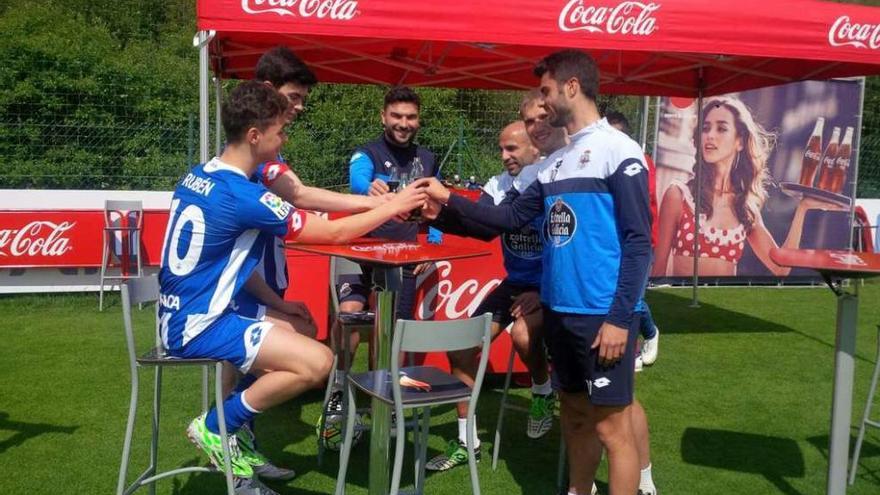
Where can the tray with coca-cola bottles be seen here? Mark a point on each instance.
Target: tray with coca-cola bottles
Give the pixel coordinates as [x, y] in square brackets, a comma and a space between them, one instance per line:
[799, 190]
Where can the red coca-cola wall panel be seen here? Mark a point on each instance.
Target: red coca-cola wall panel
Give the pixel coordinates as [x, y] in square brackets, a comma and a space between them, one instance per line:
[72, 238]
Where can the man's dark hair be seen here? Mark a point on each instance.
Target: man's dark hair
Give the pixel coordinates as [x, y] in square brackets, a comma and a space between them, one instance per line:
[399, 94]
[565, 64]
[617, 118]
[251, 104]
[280, 66]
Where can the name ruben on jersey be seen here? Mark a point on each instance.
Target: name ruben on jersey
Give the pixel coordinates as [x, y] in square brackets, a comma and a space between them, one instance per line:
[198, 185]
[276, 205]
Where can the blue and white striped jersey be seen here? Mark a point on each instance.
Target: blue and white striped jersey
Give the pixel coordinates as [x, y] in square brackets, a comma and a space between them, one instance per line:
[593, 197]
[218, 226]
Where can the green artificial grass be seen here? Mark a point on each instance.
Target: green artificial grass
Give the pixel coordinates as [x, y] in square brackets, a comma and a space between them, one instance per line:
[738, 402]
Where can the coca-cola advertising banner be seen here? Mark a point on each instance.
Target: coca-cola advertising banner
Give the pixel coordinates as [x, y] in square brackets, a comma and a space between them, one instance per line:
[73, 238]
[777, 167]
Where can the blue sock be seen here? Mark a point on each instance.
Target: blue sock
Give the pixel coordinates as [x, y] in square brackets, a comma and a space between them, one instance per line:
[245, 382]
[237, 412]
[646, 323]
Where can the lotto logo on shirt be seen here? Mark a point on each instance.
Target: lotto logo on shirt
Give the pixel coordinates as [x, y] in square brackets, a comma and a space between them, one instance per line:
[278, 206]
[561, 223]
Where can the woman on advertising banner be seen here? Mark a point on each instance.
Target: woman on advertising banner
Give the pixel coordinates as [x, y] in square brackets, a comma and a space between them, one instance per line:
[734, 176]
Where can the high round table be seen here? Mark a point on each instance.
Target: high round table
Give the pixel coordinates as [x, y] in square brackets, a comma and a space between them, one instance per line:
[834, 266]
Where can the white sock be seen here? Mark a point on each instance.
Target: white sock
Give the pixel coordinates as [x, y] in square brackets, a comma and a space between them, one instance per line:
[462, 431]
[645, 481]
[542, 388]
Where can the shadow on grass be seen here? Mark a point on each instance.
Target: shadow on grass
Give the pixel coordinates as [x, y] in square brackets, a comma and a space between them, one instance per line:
[870, 448]
[773, 457]
[679, 318]
[25, 431]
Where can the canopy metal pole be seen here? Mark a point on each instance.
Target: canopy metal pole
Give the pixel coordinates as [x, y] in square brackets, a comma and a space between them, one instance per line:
[643, 130]
[201, 41]
[855, 169]
[695, 303]
[218, 102]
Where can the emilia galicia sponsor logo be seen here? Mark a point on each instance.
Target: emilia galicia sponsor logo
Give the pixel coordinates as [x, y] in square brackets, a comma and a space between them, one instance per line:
[339, 10]
[845, 32]
[38, 238]
[635, 18]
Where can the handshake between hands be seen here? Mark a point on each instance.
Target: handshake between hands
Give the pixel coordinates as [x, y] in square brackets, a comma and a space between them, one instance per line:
[426, 194]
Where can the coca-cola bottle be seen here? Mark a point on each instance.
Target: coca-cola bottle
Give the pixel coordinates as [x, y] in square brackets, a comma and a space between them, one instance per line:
[812, 154]
[841, 164]
[417, 171]
[828, 159]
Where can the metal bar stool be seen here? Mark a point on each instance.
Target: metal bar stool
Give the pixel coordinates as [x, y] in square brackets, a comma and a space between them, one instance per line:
[146, 290]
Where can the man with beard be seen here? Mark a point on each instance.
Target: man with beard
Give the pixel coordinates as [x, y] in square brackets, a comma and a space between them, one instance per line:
[393, 153]
[593, 196]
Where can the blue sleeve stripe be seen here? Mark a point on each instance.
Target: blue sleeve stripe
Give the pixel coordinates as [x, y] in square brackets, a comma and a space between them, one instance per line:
[575, 185]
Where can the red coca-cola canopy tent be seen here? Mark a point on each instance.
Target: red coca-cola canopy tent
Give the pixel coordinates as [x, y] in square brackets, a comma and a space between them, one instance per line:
[668, 47]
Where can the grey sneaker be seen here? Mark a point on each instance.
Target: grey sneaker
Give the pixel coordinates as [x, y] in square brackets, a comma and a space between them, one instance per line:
[261, 465]
[540, 415]
[252, 486]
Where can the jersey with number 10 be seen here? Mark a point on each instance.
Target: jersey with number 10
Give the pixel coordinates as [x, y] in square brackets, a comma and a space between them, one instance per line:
[218, 226]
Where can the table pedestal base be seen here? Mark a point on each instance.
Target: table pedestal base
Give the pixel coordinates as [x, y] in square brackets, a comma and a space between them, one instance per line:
[841, 405]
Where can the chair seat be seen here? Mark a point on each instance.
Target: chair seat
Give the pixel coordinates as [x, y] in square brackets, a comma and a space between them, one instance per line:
[157, 356]
[444, 386]
[357, 318]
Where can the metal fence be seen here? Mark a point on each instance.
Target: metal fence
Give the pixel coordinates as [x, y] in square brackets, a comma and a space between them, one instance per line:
[73, 139]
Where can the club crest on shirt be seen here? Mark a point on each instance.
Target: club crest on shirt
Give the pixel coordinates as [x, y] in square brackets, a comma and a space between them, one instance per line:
[560, 224]
[584, 159]
[276, 205]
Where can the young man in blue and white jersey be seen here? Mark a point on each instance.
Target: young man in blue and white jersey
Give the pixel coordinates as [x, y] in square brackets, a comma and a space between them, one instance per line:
[284, 71]
[514, 302]
[218, 225]
[593, 197]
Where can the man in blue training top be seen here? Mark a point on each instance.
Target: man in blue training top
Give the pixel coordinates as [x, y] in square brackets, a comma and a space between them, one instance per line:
[218, 226]
[593, 197]
[393, 153]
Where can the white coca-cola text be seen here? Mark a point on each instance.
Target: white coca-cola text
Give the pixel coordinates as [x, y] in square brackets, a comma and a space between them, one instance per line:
[634, 18]
[844, 32]
[446, 300]
[340, 10]
[38, 238]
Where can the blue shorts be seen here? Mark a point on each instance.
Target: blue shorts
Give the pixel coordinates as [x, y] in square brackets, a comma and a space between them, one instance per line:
[576, 367]
[248, 306]
[232, 338]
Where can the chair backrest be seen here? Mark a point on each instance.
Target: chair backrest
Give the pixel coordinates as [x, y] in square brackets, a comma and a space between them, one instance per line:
[338, 267]
[137, 291]
[129, 207]
[429, 336]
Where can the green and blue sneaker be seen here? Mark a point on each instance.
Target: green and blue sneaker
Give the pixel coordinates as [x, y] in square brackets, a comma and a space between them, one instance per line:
[455, 455]
[212, 444]
[541, 415]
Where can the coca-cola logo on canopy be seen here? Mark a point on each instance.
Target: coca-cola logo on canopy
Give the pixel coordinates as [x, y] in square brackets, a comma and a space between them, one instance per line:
[845, 32]
[38, 238]
[632, 18]
[339, 10]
